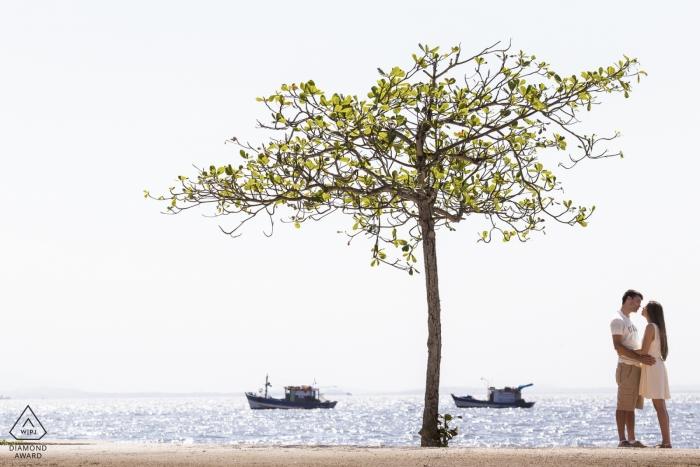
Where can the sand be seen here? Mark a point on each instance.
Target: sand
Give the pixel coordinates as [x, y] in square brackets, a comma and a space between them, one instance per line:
[106, 454]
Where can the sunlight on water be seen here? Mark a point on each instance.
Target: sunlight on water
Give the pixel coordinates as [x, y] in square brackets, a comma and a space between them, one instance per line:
[556, 420]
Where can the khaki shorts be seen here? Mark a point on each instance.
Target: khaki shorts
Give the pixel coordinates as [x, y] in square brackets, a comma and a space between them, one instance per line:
[627, 377]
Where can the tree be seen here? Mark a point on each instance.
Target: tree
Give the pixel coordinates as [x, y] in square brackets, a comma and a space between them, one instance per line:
[422, 151]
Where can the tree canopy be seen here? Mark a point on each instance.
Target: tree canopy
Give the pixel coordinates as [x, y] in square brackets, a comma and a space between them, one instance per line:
[427, 147]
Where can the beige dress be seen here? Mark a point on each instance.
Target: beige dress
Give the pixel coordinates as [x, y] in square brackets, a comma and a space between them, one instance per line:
[653, 383]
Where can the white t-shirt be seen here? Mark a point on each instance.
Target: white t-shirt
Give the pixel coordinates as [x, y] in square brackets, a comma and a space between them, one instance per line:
[622, 325]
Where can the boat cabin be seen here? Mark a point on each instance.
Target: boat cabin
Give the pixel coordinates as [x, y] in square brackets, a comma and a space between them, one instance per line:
[301, 394]
[504, 396]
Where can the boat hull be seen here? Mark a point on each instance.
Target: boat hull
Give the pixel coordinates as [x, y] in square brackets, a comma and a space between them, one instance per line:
[259, 403]
[470, 402]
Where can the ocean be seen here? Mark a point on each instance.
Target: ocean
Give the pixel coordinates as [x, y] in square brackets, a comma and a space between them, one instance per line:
[555, 420]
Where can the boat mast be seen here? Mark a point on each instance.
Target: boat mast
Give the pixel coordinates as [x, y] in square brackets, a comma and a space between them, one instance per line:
[266, 385]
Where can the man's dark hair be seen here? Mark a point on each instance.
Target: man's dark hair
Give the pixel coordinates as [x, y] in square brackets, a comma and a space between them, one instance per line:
[631, 293]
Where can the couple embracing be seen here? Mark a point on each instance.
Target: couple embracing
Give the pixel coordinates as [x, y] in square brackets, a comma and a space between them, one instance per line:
[641, 372]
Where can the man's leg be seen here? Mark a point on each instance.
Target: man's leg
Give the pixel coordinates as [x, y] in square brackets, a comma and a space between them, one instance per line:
[621, 419]
[639, 404]
[629, 416]
[620, 413]
[627, 378]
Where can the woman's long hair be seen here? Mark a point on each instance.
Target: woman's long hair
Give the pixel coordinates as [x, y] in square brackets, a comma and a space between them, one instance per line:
[656, 315]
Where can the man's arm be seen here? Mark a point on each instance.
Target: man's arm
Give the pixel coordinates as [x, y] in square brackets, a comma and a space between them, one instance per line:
[624, 351]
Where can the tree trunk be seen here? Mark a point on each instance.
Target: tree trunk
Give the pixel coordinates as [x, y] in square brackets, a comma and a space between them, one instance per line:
[429, 433]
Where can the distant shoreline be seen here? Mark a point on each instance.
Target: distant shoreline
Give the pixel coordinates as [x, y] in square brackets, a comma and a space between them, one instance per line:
[108, 454]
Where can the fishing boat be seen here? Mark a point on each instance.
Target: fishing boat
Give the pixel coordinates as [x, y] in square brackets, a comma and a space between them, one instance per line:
[496, 399]
[295, 397]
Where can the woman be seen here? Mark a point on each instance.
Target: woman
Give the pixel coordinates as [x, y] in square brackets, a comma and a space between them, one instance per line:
[654, 380]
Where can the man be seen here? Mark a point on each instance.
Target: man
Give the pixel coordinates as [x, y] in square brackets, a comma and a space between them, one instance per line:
[629, 368]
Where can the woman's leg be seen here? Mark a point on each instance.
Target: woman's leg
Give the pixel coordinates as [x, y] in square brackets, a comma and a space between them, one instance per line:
[664, 424]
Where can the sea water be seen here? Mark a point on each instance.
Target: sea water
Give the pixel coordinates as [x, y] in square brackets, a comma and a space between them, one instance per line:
[555, 420]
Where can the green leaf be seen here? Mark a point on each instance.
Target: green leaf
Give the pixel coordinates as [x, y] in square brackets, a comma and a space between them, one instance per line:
[396, 71]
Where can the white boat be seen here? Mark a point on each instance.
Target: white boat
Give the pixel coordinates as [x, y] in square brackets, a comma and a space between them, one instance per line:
[496, 399]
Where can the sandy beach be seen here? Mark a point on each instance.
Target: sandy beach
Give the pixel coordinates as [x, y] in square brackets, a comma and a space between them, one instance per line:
[108, 454]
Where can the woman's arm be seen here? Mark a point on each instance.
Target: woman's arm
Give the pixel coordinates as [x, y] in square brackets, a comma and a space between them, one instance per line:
[649, 333]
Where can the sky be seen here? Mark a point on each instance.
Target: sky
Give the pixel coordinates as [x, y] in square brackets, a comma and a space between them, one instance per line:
[101, 292]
